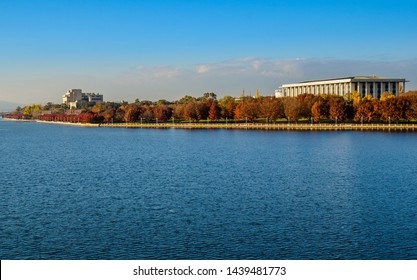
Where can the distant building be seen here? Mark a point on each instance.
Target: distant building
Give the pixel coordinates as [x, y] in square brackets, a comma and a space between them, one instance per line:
[364, 85]
[75, 98]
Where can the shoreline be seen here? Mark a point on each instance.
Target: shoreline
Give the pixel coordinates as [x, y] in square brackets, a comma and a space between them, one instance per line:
[69, 123]
[54, 122]
[242, 126]
[263, 126]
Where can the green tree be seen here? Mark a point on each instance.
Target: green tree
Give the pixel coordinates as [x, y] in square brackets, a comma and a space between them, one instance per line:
[209, 95]
[162, 102]
[187, 99]
[227, 105]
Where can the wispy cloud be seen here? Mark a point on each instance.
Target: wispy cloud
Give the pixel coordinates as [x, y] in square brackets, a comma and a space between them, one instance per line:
[250, 66]
[157, 72]
[267, 74]
[227, 77]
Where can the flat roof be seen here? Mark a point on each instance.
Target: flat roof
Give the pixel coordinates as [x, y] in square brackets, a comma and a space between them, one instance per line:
[354, 78]
[351, 79]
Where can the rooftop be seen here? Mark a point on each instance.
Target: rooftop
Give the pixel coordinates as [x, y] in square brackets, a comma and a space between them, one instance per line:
[358, 78]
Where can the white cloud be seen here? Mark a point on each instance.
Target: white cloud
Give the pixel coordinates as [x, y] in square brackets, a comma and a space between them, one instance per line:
[203, 68]
[227, 77]
[266, 74]
[156, 72]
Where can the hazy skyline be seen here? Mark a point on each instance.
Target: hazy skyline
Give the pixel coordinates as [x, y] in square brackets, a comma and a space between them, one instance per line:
[167, 49]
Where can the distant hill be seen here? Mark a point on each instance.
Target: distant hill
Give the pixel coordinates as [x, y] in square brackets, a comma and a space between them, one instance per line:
[8, 106]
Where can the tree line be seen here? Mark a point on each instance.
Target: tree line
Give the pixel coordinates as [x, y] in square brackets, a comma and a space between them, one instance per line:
[305, 107]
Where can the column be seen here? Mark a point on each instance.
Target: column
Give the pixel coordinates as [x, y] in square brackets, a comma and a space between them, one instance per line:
[374, 90]
[380, 91]
[366, 88]
[404, 86]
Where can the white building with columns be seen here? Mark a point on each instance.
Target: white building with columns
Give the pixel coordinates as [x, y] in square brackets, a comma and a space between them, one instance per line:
[364, 85]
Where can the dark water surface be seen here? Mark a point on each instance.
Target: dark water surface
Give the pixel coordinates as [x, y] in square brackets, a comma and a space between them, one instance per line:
[97, 193]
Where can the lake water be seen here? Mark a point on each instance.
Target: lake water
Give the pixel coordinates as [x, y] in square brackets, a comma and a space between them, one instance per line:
[102, 193]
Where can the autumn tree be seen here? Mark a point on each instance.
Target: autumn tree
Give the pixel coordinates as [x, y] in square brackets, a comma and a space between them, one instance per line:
[108, 115]
[337, 109]
[119, 115]
[84, 117]
[191, 111]
[248, 109]
[306, 102]
[132, 112]
[411, 113]
[367, 110]
[395, 109]
[162, 112]
[147, 114]
[356, 98]
[227, 105]
[292, 108]
[320, 110]
[97, 108]
[386, 96]
[215, 111]
[272, 108]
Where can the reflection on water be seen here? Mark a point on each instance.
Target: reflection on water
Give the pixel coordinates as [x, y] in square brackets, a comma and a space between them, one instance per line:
[87, 193]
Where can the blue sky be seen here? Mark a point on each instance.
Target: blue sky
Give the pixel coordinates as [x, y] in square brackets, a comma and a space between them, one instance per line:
[167, 49]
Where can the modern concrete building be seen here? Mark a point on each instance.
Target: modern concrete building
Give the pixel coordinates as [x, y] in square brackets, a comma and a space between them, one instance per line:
[364, 85]
[75, 98]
